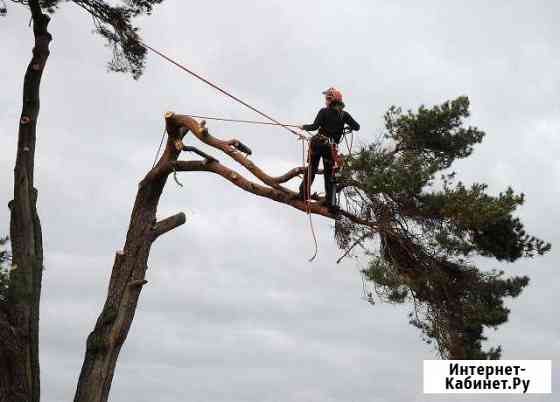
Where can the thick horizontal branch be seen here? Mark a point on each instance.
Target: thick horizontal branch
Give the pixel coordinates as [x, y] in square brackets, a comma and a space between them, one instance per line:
[252, 187]
[267, 192]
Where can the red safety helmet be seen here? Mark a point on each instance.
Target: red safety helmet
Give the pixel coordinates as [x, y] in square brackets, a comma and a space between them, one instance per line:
[333, 94]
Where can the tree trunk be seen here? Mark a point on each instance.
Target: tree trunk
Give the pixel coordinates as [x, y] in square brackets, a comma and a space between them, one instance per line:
[19, 354]
[127, 279]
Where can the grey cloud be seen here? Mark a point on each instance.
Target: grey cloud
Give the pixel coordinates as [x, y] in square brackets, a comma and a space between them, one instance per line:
[233, 311]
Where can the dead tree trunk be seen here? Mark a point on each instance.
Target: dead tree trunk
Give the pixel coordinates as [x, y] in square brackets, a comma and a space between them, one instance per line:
[19, 322]
[128, 278]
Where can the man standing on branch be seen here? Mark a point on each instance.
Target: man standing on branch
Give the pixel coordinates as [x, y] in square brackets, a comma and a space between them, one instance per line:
[330, 122]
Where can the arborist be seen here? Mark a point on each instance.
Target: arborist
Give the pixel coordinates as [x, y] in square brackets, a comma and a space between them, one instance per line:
[330, 121]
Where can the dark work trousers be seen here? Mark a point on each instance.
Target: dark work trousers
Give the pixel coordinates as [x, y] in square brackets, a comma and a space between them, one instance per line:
[319, 148]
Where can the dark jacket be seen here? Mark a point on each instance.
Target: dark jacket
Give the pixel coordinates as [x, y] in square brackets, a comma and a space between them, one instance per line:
[330, 122]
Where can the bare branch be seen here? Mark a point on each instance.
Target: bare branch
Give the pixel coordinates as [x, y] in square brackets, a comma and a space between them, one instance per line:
[169, 224]
[252, 187]
[349, 250]
[267, 192]
[295, 172]
[137, 283]
[230, 148]
[197, 151]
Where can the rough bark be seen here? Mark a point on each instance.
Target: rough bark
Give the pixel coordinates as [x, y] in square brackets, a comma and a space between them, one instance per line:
[19, 352]
[128, 277]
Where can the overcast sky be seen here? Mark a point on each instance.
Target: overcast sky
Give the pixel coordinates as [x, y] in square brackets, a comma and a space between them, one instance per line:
[233, 311]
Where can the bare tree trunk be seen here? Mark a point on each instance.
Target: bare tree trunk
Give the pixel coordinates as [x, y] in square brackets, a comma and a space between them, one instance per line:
[127, 279]
[19, 322]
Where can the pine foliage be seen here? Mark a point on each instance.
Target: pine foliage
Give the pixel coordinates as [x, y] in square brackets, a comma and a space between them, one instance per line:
[429, 228]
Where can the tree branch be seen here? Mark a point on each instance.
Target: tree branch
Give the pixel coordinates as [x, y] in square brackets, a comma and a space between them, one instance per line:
[295, 172]
[266, 192]
[169, 224]
[230, 148]
[209, 158]
[349, 250]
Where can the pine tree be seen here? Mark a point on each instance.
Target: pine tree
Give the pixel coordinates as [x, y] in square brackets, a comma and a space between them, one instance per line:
[429, 227]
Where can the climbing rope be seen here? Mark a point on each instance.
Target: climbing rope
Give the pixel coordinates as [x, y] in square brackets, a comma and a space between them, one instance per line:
[159, 148]
[241, 121]
[216, 87]
[351, 144]
[157, 156]
[307, 194]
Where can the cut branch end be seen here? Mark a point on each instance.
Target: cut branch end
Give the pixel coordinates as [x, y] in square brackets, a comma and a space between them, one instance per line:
[137, 283]
[169, 224]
